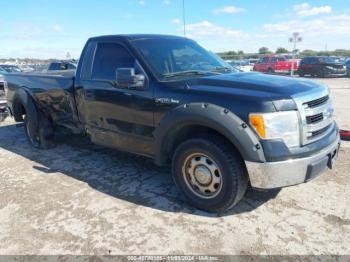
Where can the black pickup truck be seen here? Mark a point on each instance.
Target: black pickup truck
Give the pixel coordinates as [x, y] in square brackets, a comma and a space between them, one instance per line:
[167, 98]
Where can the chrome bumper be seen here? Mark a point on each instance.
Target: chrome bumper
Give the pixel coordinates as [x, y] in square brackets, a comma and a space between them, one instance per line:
[270, 175]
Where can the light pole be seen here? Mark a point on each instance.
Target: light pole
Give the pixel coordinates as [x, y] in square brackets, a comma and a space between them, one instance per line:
[296, 38]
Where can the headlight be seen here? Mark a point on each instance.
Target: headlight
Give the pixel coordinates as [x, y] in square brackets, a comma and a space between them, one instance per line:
[279, 125]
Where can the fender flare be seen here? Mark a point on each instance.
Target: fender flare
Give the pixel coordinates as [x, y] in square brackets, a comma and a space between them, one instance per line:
[212, 116]
[22, 96]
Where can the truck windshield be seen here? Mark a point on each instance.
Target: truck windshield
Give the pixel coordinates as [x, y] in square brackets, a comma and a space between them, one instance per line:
[170, 58]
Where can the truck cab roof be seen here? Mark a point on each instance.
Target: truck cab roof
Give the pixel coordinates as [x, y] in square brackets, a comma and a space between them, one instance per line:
[135, 37]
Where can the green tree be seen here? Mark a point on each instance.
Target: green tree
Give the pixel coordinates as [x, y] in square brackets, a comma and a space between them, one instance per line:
[308, 52]
[264, 50]
[281, 50]
[231, 53]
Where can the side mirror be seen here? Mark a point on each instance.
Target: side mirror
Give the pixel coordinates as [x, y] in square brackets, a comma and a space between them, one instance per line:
[126, 77]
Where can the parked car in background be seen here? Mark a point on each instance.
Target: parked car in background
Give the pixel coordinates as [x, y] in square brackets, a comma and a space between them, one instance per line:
[62, 65]
[253, 61]
[3, 103]
[322, 66]
[27, 68]
[5, 69]
[242, 65]
[9, 69]
[275, 64]
[347, 64]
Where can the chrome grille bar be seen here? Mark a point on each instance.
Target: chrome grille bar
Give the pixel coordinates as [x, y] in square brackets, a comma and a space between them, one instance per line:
[316, 114]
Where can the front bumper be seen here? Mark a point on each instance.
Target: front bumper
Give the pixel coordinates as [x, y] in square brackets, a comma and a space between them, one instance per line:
[290, 172]
[335, 72]
[285, 71]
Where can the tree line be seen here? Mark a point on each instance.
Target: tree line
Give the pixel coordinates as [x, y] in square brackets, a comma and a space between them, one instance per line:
[281, 50]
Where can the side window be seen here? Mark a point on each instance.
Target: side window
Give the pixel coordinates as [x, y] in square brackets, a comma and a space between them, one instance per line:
[63, 66]
[54, 66]
[109, 57]
[305, 61]
[70, 66]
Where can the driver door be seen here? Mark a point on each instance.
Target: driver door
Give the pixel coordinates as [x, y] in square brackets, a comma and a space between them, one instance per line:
[117, 116]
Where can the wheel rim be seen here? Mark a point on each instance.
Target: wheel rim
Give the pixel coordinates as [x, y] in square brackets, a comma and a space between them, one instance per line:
[202, 175]
[34, 140]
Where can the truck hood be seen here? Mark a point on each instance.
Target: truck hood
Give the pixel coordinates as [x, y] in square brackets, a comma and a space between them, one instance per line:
[257, 84]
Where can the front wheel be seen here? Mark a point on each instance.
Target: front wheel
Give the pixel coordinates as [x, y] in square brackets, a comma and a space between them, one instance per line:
[321, 73]
[211, 175]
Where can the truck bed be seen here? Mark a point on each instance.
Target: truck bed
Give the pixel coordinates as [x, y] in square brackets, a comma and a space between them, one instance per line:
[52, 91]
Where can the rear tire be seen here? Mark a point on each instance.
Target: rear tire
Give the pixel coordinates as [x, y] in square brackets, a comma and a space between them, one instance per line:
[211, 175]
[270, 71]
[41, 137]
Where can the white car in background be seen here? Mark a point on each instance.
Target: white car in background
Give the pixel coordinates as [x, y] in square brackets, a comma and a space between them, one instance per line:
[5, 69]
[242, 65]
[3, 104]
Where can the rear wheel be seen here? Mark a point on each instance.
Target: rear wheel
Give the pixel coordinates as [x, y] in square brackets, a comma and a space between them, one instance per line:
[270, 71]
[211, 175]
[40, 134]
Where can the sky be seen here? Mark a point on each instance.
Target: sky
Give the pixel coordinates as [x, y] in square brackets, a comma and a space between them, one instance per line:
[50, 29]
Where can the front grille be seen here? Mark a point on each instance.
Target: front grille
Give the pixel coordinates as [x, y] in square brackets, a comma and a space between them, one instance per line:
[317, 102]
[314, 119]
[316, 115]
[319, 132]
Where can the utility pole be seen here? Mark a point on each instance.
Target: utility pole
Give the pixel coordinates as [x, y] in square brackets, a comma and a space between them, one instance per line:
[296, 38]
[184, 16]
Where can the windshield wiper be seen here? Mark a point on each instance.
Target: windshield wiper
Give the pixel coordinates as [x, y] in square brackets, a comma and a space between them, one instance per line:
[186, 73]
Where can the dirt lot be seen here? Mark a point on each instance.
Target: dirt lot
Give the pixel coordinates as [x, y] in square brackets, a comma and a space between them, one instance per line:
[83, 199]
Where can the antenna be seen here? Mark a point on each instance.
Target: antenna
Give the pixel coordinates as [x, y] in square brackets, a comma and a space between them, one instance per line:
[184, 16]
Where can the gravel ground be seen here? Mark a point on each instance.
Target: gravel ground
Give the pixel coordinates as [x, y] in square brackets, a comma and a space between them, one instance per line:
[83, 199]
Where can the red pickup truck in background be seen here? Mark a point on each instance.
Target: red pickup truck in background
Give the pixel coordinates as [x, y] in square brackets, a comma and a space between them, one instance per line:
[275, 64]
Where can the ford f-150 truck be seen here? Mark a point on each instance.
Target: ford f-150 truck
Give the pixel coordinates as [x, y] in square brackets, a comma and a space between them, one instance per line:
[167, 98]
[275, 64]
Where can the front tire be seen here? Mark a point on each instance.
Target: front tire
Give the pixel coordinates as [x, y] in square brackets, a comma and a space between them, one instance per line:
[270, 71]
[321, 73]
[211, 175]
